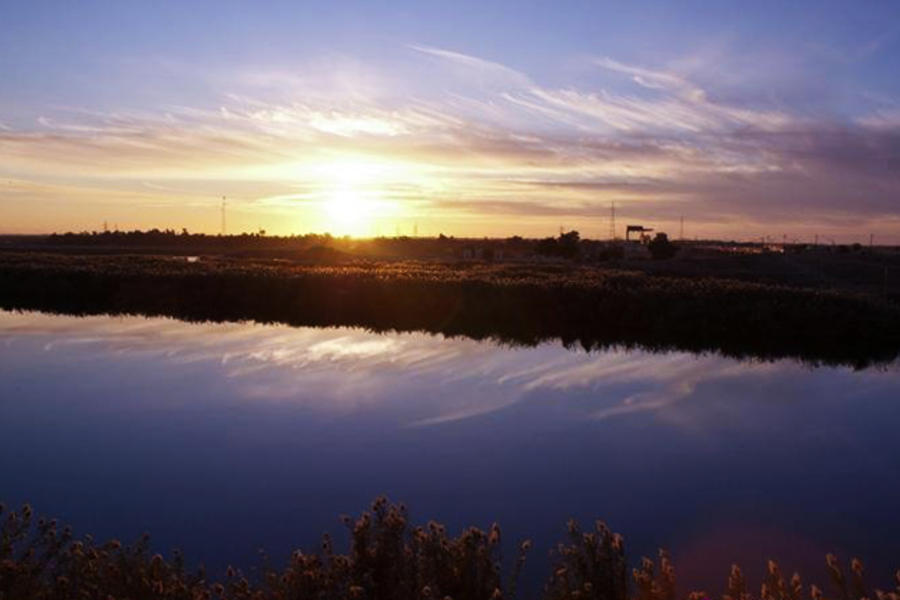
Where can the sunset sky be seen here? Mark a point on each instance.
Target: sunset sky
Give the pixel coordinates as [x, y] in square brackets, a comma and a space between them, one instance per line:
[471, 119]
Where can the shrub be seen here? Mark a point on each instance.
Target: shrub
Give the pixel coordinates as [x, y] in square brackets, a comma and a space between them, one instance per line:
[661, 248]
[388, 559]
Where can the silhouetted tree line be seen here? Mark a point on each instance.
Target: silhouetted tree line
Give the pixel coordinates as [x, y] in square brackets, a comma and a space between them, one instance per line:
[388, 558]
[568, 245]
[513, 303]
[565, 246]
[310, 247]
[169, 238]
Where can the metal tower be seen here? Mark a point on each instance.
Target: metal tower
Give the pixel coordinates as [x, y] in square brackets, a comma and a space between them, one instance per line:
[612, 220]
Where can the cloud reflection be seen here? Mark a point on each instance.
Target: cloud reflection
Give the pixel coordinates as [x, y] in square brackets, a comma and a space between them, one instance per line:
[428, 379]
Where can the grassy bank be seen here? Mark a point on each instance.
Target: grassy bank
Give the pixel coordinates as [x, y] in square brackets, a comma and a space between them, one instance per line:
[518, 304]
[388, 559]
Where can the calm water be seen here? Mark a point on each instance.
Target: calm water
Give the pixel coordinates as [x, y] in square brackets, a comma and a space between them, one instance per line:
[219, 439]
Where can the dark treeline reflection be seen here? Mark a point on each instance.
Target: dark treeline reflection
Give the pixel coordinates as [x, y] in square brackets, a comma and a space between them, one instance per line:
[514, 304]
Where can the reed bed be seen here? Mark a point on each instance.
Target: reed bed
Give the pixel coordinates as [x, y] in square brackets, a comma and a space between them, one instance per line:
[522, 304]
[388, 559]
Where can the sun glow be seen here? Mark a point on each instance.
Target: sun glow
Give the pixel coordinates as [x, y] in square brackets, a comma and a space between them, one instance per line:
[350, 212]
[353, 197]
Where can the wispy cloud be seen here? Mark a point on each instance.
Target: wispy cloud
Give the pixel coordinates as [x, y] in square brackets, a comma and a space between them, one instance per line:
[499, 142]
[494, 72]
[653, 79]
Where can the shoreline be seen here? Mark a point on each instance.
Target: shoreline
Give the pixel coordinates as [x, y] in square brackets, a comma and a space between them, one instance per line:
[519, 304]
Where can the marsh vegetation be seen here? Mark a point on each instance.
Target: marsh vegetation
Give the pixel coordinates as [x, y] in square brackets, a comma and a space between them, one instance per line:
[388, 558]
[514, 303]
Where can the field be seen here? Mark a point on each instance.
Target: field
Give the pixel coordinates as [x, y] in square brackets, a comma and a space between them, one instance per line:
[663, 305]
[869, 270]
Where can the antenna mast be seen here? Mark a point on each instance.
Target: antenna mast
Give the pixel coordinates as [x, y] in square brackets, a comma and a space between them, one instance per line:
[612, 220]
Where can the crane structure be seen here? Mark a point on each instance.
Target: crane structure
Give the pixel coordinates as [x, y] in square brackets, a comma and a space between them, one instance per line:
[639, 229]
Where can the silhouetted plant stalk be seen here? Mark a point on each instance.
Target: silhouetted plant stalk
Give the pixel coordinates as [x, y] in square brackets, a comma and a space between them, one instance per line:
[388, 559]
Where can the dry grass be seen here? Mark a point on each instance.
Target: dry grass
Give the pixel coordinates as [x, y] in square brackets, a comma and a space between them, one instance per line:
[388, 559]
[518, 304]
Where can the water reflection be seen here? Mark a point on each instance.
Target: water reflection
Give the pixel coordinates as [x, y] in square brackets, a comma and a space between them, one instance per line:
[220, 437]
[340, 370]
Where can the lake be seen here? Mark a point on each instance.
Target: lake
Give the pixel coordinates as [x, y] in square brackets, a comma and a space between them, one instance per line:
[220, 439]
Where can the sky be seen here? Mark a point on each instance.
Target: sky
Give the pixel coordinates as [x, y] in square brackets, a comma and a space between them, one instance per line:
[464, 118]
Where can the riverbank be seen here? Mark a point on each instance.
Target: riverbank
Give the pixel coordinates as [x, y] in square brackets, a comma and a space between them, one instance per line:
[524, 304]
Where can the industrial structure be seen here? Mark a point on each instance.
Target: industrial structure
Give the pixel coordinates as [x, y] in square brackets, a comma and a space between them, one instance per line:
[640, 230]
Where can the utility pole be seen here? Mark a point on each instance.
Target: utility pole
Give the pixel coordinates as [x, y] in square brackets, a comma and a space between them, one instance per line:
[681, 232]
[416, 229]
[612, 221]
[871, 240]
[224, 204]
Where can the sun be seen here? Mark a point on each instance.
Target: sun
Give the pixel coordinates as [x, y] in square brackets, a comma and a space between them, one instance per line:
[350, 211]
[354, 195]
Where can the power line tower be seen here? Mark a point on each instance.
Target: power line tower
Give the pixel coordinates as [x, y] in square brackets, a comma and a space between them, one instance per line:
[224, 204]
[612, 220]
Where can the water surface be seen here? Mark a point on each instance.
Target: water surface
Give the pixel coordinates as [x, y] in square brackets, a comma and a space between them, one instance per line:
[222, 438]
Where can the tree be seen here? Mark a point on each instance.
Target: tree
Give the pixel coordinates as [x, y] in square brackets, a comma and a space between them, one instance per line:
[565, 246]
[546, 247]
[661, 248]
[568, 244]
